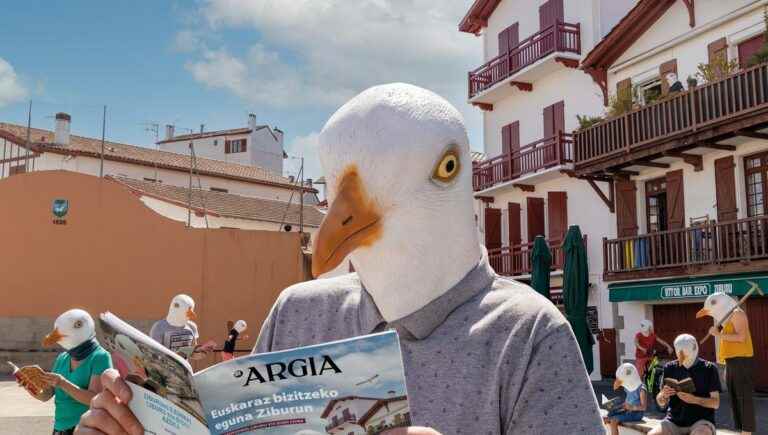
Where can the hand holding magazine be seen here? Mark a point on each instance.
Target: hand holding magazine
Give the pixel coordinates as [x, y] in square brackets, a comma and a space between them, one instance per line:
[355, 385]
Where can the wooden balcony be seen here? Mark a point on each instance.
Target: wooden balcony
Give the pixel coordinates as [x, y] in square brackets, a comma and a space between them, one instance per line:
[516, 260]
[337, 422]
[715, 247]
[695, 118]
[542, 154]
[559, 37]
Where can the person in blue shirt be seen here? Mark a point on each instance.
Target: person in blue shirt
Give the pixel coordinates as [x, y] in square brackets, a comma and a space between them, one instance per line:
[634, 405]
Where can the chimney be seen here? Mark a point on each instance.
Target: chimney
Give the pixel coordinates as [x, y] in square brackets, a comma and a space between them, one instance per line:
[169, 131]
[252, 121]
[61, 135]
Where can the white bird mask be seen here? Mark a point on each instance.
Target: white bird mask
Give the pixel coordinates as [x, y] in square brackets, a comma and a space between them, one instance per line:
[687, 349]
[717, 305]
[627, 377]
[646, 327]
[71, 329]
[396, 160]
[181, 311]
[240, 326]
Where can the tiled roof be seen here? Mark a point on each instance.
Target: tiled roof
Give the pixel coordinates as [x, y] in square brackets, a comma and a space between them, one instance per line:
[78, 145]
[232, 131]
[226, 204]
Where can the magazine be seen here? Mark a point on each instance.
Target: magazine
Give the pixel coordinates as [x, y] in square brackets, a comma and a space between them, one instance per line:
[355, 385]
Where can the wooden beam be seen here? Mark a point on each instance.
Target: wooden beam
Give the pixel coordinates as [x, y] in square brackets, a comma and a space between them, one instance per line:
[694, 160]
[525, 187]
[651, 164]
[753, 134]
[600, 76]
[568, 62]
[486, 107]
[608, 200]
[691, 12]
[718, 146]
[485, 199]
[523, 86]
[622, 172]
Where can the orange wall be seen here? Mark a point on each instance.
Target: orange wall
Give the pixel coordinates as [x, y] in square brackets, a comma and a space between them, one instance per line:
[116, 254]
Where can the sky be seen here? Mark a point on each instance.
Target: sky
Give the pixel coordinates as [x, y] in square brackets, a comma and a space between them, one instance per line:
[211, 62]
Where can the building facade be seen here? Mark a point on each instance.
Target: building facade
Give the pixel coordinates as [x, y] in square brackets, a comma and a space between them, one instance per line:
[254, 145]
[531, 91]
[687, 157]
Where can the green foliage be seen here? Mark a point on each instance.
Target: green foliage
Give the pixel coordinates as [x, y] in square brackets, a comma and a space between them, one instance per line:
[586, 121]
[762, 55]
[719, 68]
[621, 102]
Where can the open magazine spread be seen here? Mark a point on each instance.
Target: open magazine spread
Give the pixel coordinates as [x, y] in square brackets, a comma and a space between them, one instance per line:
[353, 386]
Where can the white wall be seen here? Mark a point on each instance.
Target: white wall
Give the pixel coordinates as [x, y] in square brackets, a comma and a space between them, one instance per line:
[672, 38]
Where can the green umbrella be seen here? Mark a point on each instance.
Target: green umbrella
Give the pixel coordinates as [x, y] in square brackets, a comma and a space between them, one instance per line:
[575, 292]
[541, 262]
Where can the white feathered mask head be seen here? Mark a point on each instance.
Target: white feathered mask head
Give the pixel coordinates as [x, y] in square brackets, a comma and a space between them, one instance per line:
[646, 327]
[181, 310]
[717, 305]
[686, 349]
[627, 377]
[71, 329]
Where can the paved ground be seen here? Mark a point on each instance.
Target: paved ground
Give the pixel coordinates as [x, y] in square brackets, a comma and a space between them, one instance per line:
[20, 414]
[723, 415]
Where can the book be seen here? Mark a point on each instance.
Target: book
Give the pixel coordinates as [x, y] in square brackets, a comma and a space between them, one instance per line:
[611, 404]
[683, 385]
[355, 385]
[30, 377]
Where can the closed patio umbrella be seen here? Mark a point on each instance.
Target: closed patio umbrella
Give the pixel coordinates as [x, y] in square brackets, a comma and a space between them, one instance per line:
[575, 292]
[541, 262]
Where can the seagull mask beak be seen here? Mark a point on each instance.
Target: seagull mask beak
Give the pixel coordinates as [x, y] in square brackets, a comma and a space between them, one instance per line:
[191, 314]
[352, 221]
[703, 312]
[54, 337]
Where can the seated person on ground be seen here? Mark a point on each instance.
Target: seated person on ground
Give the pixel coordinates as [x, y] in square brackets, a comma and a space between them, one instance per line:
[636, 401]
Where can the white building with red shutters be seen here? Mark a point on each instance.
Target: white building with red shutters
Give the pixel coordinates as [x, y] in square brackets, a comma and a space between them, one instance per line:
[690, 167]
[530, 91]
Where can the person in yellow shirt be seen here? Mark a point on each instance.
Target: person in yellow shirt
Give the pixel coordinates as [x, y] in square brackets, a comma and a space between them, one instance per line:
[736, 352]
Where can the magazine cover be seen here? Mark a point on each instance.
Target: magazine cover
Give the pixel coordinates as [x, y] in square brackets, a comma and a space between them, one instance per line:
[353, 386]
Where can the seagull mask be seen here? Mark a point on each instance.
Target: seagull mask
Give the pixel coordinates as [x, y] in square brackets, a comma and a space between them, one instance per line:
[646, 327]
[627, 377]
[181, 311]
[75, 331]
[717, 305]
[687, 349]
[240, 326]
[396, 160]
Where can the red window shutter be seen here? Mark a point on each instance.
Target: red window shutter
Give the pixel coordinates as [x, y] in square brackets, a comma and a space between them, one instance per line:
[515, 228]
[557, 11]
[748, 48]
[505, 139]
[550, 12]
[243, 145]
[514, 136]
[227, 147]
[549, 121]
[664, 69]
[492, 228]
[624, 87]
[725, 189]
[513, 35]
[558, 116]
[626, 208]
[717, 48]
[557, 213]
[535, 217]
[675, 200]
[504, 41]
[544, 20]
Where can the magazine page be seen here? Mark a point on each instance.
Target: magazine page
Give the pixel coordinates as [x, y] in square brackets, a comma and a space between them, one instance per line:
[349, 386]
[164, 398]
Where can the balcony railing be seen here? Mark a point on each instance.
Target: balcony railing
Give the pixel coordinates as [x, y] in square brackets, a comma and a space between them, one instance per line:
[338, 421]
[701, 245]
[684, 112]
[542, 154]
[516, 260]
[559, 37]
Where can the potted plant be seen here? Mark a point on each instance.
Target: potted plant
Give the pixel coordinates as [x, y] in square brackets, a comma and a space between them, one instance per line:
[692, 82]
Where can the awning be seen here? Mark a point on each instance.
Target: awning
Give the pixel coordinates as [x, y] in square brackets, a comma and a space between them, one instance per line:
[685, 288]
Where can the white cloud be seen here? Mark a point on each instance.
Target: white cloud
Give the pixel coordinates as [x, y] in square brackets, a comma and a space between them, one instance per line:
[306, 146]
[313, 53]
[11, 89]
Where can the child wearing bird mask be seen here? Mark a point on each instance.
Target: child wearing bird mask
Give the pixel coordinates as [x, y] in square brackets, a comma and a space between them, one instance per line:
[633, 409]
[689, 413]
[76, 372]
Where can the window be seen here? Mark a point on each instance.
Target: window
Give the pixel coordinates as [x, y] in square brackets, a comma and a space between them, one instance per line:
[656, 204]
[649, 91]
[748, 48]
[215, 142]
[219, 189]
[235, 146]
[755, 171]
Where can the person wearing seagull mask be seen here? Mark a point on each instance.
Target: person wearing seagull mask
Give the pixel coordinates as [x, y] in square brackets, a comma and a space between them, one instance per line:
[628, 378]
[76, 372]
[689, 413]
[178, 331]
[735, 350]
[482, 353]
[645, 341]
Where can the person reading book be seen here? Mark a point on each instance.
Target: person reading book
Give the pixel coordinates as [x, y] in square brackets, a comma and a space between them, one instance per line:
[75, 377]
[736, 351]
[645, 342]
[634, 405]
[689, 412]
[482, 353]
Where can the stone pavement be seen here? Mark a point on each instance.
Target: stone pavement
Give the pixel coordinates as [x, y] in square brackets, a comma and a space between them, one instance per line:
[722, 416]
[20, 414]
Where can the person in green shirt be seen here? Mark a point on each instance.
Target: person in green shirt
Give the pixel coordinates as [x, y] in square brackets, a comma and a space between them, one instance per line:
[76, 373]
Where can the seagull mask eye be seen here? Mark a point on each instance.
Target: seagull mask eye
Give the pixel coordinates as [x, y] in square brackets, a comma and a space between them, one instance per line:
[78, 324]
[448, 166]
